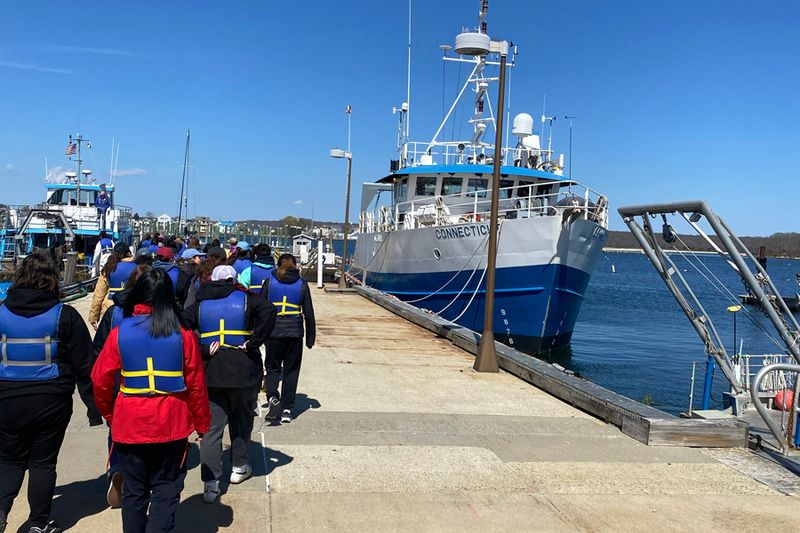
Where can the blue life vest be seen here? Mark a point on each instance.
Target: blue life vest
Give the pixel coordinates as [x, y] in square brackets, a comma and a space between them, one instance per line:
[154, 248]
[106, 245]
[172, 271]
[116, 316]
[240, 265]
[258, 276]
[150, 365]
[146, 244]
[29, 345]
[224, 320]
[286, 296]
[119, 277]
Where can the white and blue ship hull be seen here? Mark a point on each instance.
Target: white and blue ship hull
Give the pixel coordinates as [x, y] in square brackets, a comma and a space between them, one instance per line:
[544, 265]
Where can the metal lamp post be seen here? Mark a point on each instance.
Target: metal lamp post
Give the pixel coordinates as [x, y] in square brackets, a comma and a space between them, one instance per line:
[342, 154]
[486, 358]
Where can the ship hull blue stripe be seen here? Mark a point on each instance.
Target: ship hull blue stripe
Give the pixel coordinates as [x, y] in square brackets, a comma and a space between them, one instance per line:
[538, 303]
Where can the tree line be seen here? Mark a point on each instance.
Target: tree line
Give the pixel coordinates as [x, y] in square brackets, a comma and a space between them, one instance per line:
[777, 244]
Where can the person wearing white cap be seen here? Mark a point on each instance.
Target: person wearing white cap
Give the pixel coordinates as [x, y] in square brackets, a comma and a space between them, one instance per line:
[232, 325]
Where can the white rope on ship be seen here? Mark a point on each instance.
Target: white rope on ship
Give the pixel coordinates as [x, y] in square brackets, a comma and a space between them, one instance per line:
[460, 270]
[483, 275]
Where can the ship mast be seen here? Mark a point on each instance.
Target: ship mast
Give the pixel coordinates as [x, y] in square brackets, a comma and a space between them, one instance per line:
[183, 203]
[75, 144]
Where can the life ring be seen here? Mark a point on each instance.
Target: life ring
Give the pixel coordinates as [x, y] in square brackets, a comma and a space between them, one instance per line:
[469, 217]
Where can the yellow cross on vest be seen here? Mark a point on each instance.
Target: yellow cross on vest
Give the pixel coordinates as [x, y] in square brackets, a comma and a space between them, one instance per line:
[150, 374]
[284, 304]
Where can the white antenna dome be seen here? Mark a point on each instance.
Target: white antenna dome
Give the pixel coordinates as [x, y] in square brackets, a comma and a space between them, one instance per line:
[523, 125]
[473, 44]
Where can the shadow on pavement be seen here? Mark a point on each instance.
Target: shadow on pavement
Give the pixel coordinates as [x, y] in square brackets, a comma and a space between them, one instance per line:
[77, 500]
[303, 403]
[276, 459]
[197, 517]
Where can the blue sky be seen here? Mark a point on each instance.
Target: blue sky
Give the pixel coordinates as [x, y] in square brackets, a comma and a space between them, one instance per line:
[675, 100]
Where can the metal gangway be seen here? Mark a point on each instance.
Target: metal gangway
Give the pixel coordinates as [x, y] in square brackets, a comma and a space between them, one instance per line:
[749, 392]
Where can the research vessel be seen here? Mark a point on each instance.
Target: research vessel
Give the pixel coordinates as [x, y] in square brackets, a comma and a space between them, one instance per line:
[424, 228]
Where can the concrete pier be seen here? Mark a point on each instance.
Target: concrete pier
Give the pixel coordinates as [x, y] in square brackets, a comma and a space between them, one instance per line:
[395, 432]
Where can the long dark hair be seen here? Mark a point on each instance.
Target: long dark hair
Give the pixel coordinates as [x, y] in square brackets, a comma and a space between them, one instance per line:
[121, 251]
[140, 269]
[286, 262]
[37, 272]
[154, 288]
[208, 266]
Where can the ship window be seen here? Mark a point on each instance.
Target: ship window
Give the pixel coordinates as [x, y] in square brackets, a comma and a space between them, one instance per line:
[57, 198]
[87, 197]
[506, 188]
[426, 186]
[451, 186]
[478, 184]
[400, 190]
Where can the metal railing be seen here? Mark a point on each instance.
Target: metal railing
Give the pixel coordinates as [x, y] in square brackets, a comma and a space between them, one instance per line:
[463, 153]
[786, 432]
[475, 206]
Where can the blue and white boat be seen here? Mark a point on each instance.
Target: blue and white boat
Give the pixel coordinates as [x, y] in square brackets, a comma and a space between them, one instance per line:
[427, 243]
[68, 216]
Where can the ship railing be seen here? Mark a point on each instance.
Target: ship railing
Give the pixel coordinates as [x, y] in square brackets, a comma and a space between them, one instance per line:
[475, 206]
[746, 366]
[461, 153]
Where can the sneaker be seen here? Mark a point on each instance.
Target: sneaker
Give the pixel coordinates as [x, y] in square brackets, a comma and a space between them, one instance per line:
[273, 407]
[286, 417]
[114, 494]
[51, 527]
[241, 473]
[210, 491]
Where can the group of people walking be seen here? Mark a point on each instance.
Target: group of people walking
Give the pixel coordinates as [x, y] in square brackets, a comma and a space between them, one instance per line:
[185, 339]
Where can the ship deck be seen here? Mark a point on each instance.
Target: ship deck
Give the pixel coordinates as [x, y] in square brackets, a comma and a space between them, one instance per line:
[394, 431]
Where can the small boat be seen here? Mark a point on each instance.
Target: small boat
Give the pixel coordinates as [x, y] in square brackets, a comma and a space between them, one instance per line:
[792, 302]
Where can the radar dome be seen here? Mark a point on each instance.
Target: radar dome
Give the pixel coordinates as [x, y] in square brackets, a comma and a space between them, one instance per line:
[523, 125]
[473, 44]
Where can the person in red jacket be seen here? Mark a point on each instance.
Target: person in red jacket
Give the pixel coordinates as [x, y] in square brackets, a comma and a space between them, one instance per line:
[163, 399]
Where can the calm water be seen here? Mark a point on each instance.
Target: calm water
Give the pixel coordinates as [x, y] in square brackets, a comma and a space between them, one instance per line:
[632, 338]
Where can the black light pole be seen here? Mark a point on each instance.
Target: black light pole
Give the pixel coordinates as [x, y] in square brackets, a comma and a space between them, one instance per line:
[349, 156]
[486, 358]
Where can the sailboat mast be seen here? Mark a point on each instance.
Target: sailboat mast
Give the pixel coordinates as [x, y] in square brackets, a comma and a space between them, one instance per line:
[182, 203]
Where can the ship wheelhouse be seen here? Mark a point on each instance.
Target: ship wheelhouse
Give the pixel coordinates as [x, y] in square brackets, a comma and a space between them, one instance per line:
[435, 195]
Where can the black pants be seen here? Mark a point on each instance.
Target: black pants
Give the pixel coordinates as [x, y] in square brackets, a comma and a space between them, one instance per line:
[32, 430]
[154, 475]
[234, 408]
[286, 354]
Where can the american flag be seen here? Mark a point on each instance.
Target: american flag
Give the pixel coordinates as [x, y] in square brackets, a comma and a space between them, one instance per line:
[70, 149]
[348, 110]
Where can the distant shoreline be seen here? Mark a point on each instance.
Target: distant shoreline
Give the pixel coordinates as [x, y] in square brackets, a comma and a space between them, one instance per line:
[699, 252]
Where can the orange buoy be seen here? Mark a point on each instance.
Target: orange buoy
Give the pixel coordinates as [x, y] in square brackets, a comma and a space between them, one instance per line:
[784, 399]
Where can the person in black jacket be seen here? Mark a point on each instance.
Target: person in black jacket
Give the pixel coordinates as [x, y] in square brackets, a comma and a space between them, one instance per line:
[37, 380]
[290, 294]
[164, 260]
[232, 324]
